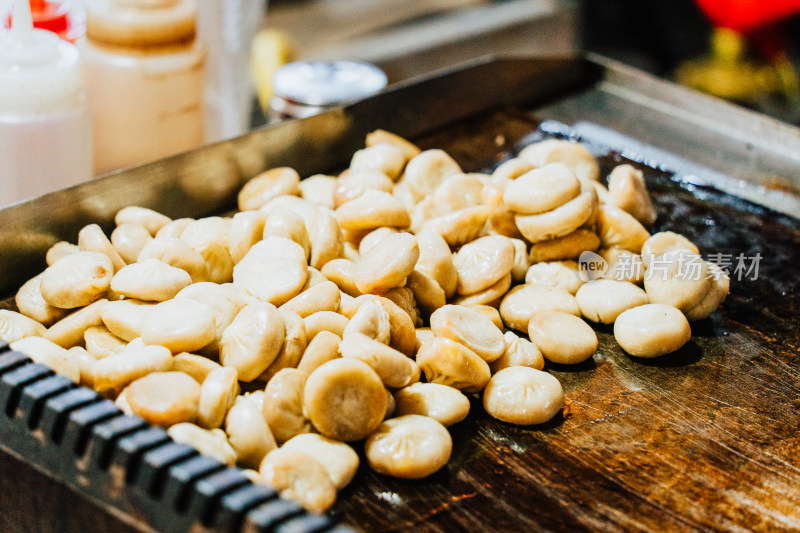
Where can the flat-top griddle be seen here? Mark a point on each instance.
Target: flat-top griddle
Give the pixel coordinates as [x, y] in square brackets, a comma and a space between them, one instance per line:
[707, 438]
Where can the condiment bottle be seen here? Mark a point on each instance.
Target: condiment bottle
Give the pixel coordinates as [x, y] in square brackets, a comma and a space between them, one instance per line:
[144, 78]
[305, 88]
[45, 131]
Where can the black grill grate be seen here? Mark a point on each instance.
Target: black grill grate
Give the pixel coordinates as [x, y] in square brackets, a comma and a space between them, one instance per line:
[76, 436]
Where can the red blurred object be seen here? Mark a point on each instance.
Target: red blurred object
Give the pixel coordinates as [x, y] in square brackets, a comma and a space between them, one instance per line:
[746, 16]
[55, 17]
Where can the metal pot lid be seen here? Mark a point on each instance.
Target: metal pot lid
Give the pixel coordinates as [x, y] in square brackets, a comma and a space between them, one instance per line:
[324, 83]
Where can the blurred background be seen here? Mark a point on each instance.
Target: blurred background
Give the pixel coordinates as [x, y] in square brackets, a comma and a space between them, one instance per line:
[223, 56]
[745, 51]
[741, 50]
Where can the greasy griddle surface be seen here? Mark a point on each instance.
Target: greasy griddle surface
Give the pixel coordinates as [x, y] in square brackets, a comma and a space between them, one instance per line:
[707, 438]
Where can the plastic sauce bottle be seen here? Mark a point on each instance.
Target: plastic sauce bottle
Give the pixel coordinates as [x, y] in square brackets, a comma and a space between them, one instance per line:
[45, 131]
[144, 78]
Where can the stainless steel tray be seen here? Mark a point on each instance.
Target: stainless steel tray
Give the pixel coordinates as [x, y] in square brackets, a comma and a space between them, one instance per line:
[709, 143]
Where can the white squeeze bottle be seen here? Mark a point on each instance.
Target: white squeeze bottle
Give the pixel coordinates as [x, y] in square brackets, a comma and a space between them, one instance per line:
[144, 78]
[45, 131]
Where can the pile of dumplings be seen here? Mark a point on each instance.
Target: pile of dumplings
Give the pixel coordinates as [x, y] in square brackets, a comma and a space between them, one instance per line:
[362, 309]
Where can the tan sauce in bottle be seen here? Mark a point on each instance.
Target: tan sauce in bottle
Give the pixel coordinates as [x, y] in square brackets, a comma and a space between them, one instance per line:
[144, 77]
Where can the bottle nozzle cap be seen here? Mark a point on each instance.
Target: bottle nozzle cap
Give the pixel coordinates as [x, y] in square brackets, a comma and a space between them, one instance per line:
[22, 45]
[37, 69]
